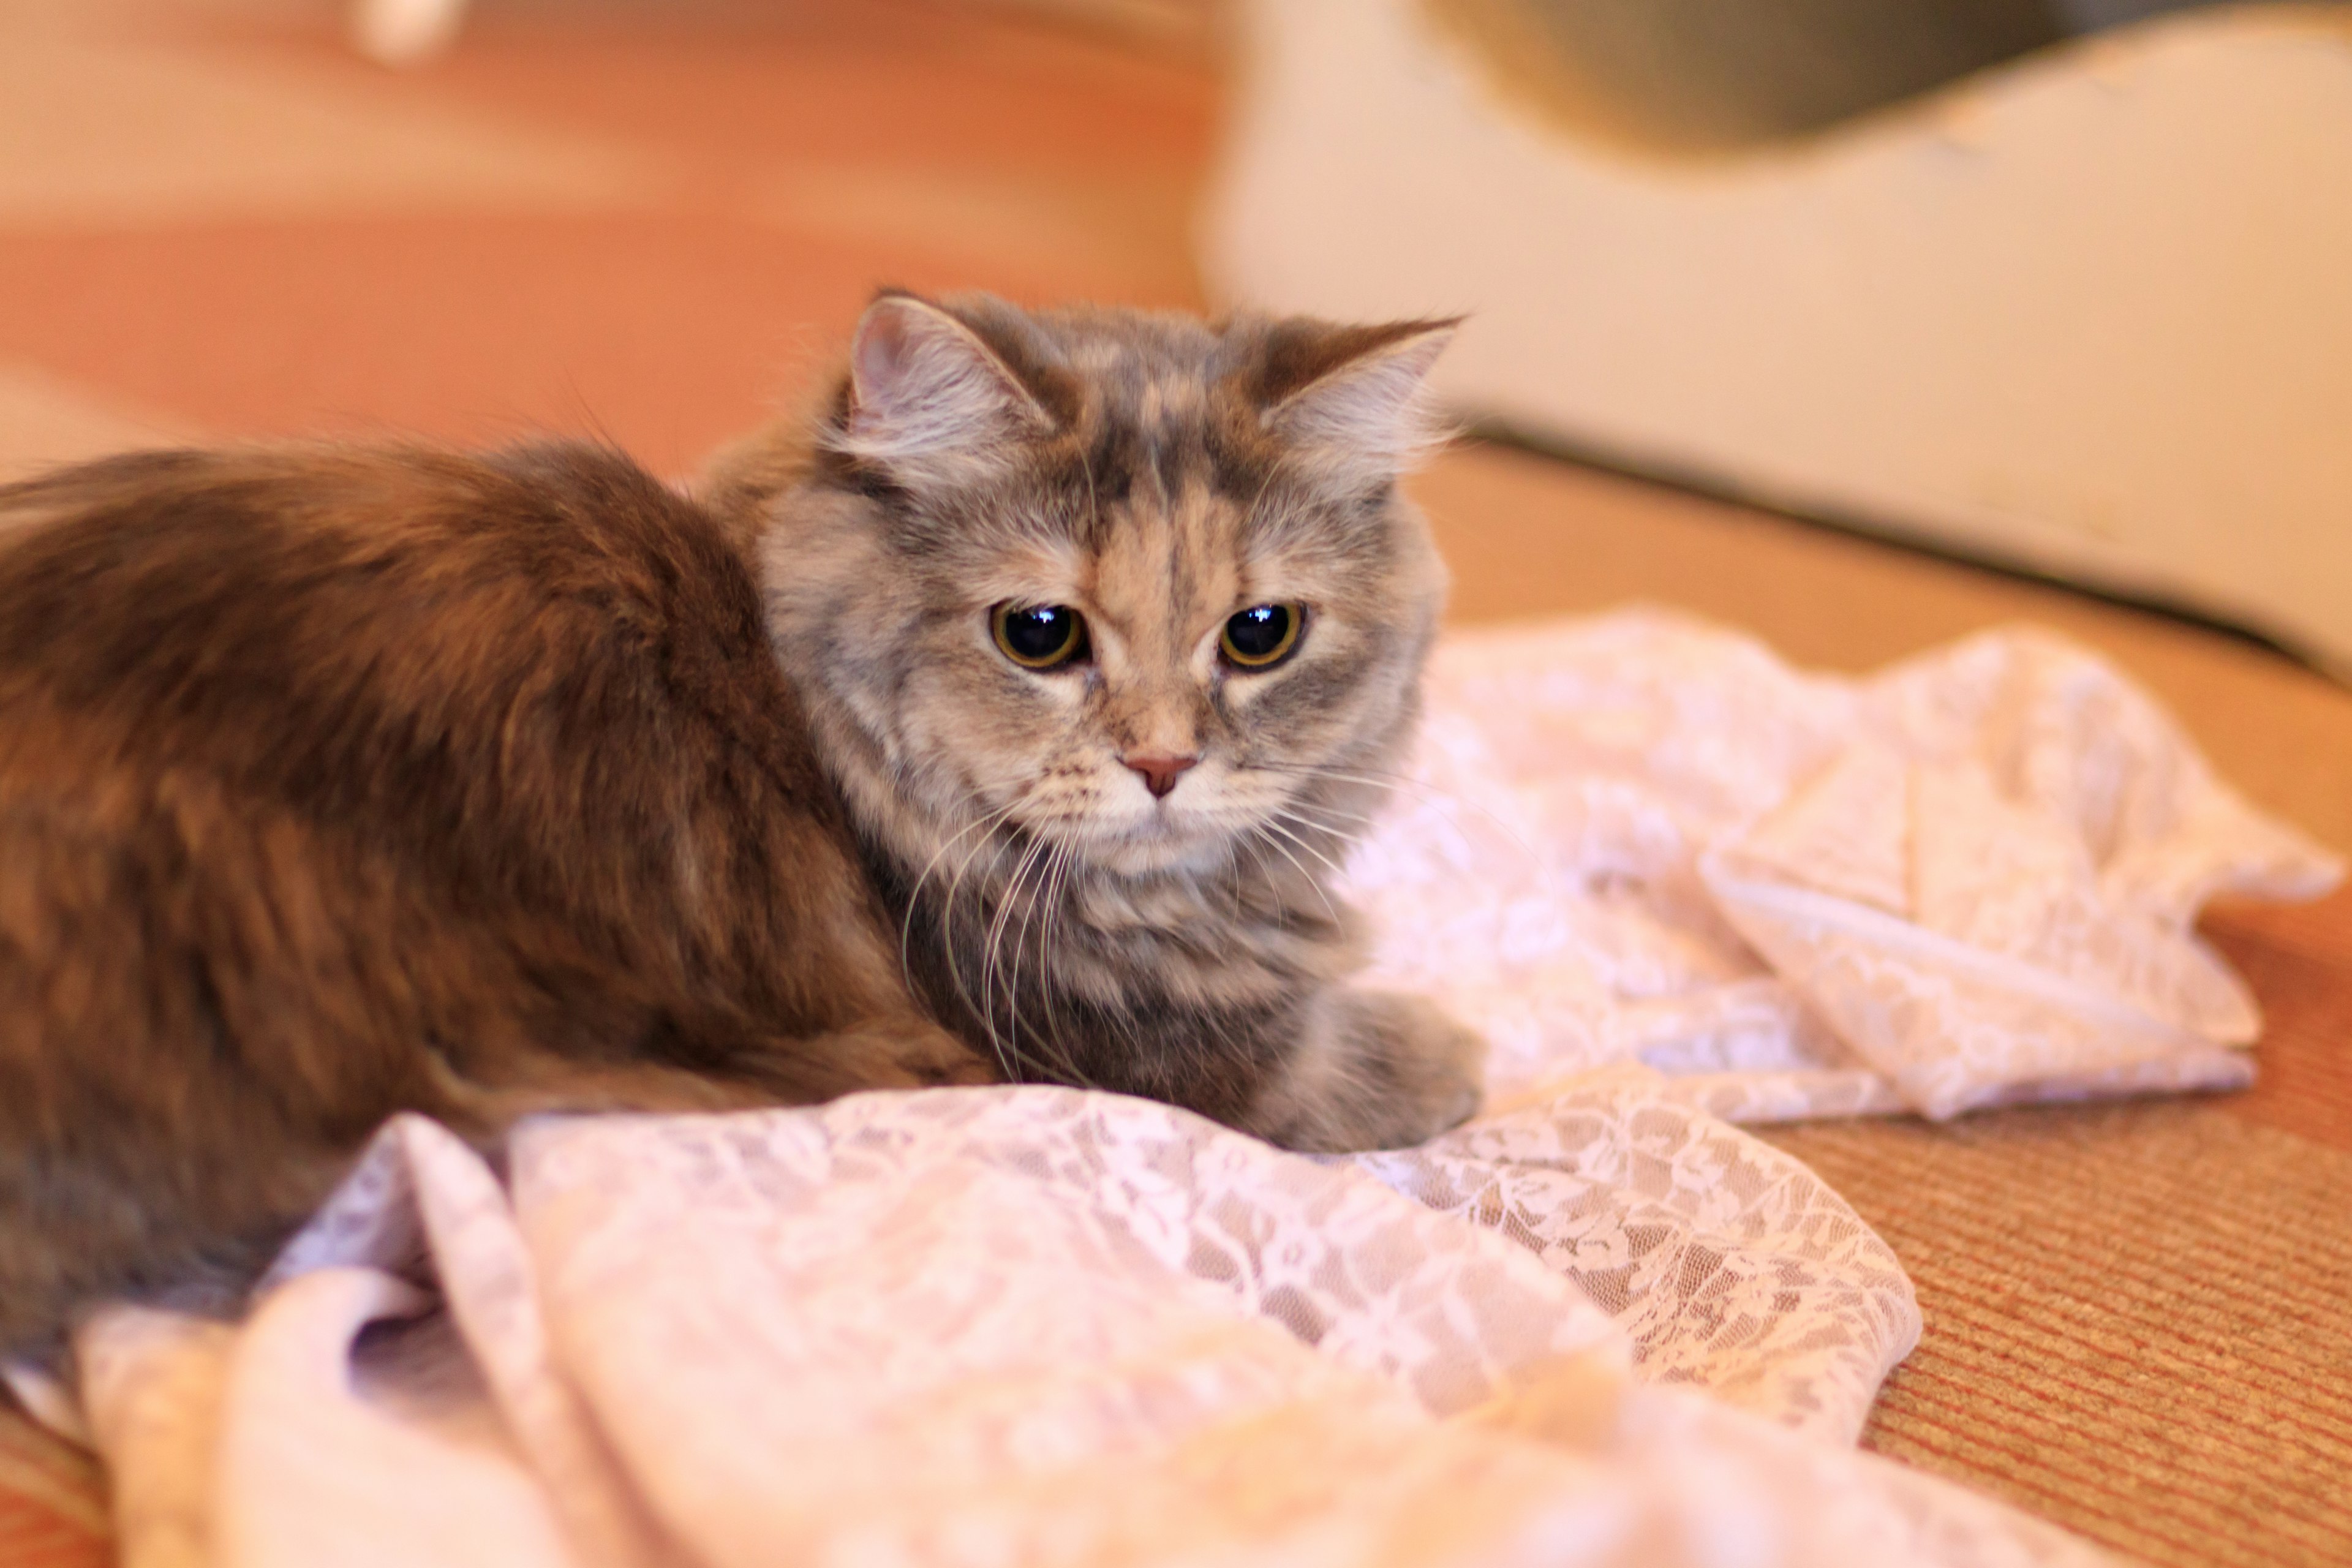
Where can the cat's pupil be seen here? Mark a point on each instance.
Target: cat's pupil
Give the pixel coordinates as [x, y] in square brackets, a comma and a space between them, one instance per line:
[1040, 635]
[1259, 631]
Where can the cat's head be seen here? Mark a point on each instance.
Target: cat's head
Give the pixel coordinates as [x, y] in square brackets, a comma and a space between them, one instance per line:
[1129, 583]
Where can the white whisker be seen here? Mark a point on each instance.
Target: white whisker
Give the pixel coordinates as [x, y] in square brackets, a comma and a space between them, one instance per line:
[1065, 862]
[1292, 816]
[1058, 871]
[1427, 794]
[1303, 871]
[988, 971]
[1249, 842]
[948, 939]
[1021, 940]
[915, 895]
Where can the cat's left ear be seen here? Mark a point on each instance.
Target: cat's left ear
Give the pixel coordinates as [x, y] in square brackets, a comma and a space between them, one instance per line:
[1355, 399]
[925, 388]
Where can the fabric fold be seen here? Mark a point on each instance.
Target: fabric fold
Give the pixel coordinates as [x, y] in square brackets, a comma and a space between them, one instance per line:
[1045, 1325]
[1670, 877]
[1972, 880]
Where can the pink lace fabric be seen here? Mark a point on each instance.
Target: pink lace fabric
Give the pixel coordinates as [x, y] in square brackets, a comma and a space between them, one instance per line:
[1036, 1325]
[1972, 879]
[1597, 1325]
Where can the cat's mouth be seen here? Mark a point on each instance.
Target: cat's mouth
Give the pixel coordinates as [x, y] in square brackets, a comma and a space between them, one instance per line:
[1114, 825]
[1167, 835]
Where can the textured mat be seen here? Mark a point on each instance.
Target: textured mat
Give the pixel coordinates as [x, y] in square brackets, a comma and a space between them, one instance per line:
[2138, 1320]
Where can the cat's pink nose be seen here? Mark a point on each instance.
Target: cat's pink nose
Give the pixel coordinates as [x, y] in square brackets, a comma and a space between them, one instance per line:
[1160, 774]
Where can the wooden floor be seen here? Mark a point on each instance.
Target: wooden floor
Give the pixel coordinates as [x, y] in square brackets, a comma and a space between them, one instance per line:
[653, 223]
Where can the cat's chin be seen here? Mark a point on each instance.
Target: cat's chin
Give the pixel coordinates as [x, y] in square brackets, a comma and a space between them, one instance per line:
[1154, 848]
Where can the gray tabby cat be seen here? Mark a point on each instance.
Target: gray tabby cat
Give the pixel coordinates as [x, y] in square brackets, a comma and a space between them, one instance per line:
[1109, 627]
[1006, 724]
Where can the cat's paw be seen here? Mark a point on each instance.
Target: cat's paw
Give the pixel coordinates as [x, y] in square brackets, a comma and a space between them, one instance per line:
[1384, 1071]
[1426, 1071]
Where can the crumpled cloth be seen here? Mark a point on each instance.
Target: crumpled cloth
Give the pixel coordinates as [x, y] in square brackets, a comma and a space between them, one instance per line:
[1972, 879]
[1043, 1326]
[1025, 1325]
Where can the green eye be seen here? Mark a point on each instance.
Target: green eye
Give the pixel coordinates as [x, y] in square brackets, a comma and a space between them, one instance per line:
[1262, 635]
[1039, 637]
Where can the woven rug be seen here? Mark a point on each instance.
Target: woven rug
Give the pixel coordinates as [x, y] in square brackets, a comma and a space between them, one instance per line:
[2139, 1317]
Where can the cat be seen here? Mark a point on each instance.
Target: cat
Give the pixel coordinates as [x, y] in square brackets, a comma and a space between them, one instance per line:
[1005, 720]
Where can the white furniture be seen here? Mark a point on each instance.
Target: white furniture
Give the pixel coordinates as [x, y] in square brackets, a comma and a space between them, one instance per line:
[2090, 314]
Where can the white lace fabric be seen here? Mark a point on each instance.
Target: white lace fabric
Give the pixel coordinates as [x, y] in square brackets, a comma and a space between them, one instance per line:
[1972, 879]
[1030, 1325]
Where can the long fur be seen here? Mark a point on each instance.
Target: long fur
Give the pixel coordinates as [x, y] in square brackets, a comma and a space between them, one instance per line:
[339, 783]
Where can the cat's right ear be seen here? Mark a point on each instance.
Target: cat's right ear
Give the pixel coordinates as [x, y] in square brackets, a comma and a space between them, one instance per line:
[923, 387]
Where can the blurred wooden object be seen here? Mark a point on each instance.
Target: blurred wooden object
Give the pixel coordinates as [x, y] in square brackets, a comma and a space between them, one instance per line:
[404, 32]
[410, 32]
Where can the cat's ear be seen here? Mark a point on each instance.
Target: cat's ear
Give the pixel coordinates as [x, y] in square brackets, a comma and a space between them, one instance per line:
[923, 384]
[1355, 399]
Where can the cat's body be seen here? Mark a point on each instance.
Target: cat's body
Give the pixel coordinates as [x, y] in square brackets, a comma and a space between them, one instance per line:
[333, 784]
[336, 785]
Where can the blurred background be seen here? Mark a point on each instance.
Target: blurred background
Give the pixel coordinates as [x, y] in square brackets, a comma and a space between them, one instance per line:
[1858, 324]
[644, 219]
[2051, 284]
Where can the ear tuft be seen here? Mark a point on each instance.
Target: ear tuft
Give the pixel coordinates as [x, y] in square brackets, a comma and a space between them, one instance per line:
[1362, 407]
[922, 384]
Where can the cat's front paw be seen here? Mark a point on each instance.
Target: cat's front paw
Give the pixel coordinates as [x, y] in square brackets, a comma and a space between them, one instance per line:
[1381, 1071]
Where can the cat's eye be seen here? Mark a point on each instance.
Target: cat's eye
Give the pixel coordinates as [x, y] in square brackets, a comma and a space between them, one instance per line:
[1039, 637]
[1262, 635]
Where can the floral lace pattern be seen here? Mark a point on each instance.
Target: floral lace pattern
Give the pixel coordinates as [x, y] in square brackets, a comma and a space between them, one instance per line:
[1972, 879]
[1728, 1265]
[1040, 1325]
[1669, 876]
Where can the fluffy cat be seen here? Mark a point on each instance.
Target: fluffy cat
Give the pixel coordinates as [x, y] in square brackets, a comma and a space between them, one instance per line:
[1005, 721]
